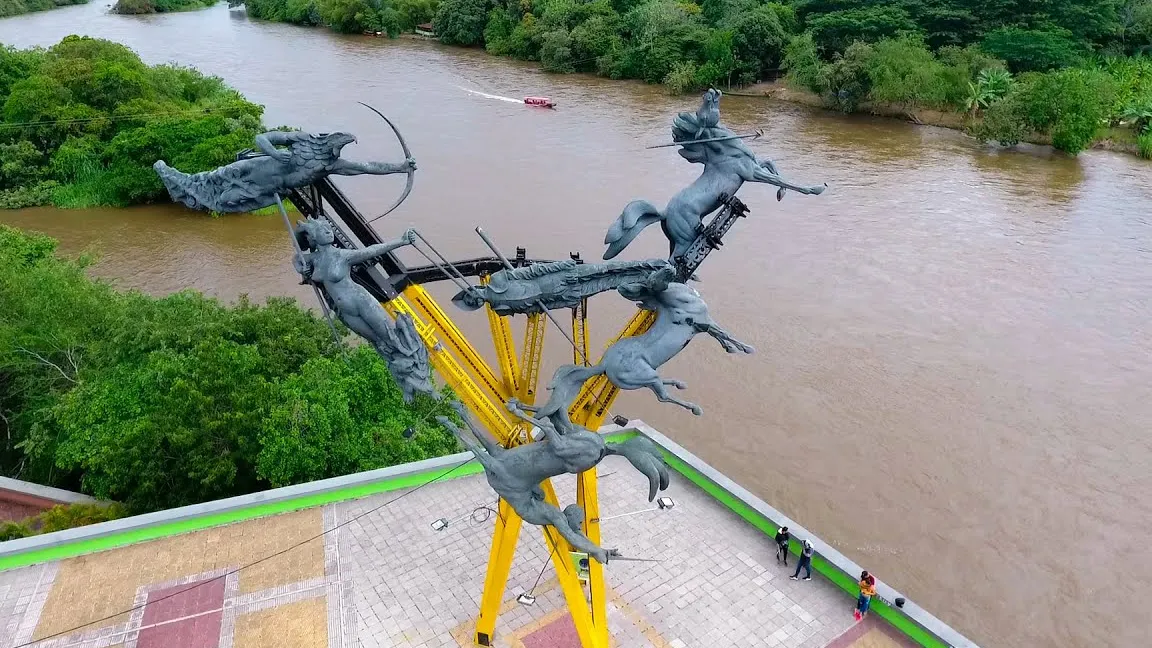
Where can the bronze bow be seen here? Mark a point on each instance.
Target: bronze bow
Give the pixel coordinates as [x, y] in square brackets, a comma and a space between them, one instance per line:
[407, 156]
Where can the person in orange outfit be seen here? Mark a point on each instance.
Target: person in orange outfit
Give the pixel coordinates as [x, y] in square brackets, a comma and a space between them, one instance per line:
[867, 591]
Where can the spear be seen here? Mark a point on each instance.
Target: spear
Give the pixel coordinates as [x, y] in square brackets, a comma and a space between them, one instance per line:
[759, 132]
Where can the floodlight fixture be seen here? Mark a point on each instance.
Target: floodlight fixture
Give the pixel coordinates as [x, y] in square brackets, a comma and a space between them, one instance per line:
[526, 599]
[439, 524]
[620, 420]
[665, 503]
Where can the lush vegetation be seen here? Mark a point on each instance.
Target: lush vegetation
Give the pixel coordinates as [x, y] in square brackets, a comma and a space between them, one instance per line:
[1056, 71]
[17, 7]
[84, 120]
[1067, 107]
[159, 6]
[60, 518]
[163, 402]
[346, 16]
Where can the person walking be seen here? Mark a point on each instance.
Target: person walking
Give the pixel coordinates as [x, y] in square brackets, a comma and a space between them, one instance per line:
[867, 591]
[782, 537]
[805, 561]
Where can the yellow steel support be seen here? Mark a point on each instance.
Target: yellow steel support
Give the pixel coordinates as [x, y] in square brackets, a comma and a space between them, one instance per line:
[499, 563]
[485, 394]
[532, 352]
[580, 334]
[481, 392]
[505, 350]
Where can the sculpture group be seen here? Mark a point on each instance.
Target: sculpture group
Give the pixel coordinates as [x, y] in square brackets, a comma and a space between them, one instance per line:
[656, 285]
[632, 362]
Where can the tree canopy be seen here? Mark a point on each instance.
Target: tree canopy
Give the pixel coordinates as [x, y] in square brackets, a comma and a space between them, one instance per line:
[162, 402]
[86, 118]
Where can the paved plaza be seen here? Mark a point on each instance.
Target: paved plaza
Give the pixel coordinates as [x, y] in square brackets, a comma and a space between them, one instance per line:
[385, 578]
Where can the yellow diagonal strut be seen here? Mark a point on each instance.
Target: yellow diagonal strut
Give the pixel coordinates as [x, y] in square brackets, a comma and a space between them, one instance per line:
[484, 393]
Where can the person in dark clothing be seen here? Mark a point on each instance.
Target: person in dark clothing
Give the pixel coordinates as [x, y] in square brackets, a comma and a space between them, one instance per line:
[805, 561]
[782, 537]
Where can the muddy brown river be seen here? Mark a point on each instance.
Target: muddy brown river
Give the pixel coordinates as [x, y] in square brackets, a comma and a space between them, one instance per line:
[953, 378]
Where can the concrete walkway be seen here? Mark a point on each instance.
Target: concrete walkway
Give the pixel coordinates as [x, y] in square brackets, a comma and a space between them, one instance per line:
[388, 579]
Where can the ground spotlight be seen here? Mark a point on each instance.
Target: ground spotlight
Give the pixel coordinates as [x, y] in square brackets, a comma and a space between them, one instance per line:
[409, 433]
[620, 420]
[899, 602]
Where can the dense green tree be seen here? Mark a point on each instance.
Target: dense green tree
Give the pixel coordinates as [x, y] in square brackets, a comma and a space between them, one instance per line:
[99, 117]
[758, 41]
[556, 51]
[846, 81]
[17, 7]
[904, 72]
[164, 402]
[834, 32]
[461, 22]
[1027, 50]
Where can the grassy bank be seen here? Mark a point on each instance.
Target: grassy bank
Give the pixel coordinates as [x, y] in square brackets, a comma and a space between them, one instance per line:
[17, 7]
[84, 120]
[130, 7]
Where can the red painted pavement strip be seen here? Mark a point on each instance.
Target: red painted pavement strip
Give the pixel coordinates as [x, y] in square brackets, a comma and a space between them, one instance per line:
[861, 628]
[202, 631]
[561, 633]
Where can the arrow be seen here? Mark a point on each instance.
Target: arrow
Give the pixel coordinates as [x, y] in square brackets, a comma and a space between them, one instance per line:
[759, 132]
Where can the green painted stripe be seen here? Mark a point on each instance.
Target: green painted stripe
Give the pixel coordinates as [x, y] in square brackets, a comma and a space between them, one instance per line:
[134, 536]
[894, 616]
[80, 547]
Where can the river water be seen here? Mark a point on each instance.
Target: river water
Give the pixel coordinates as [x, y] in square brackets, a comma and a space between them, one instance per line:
[953, 377]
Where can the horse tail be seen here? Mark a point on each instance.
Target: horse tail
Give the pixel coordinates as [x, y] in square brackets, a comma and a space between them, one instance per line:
[176, 183]
[565, 385]
[637, 215]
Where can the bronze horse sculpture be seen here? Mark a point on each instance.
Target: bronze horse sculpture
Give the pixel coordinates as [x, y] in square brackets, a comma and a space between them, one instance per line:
[516, 473]
[631, 362]
[728, 164]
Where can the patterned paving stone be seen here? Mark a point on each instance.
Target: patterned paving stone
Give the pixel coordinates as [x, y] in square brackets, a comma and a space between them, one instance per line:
[386, 578]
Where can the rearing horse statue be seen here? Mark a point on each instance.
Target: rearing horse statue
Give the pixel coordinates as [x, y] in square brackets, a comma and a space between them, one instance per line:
[728, 164]
[631, 362]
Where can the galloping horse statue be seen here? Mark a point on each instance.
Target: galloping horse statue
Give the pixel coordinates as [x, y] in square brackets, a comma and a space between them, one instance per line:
[515, 473]
[728, 164]
[631, 362]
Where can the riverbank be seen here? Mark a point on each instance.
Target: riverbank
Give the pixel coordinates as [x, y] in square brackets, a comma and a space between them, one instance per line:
[18, 7]
[1121, 140]
[134, 114]
[136, 7]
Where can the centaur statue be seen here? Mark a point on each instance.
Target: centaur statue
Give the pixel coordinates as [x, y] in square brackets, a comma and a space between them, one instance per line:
[253, 183]
[728, 164]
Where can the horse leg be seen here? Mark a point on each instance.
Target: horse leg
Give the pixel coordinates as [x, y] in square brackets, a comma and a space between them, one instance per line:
[760, 174]
[730, 344]
[657, 387]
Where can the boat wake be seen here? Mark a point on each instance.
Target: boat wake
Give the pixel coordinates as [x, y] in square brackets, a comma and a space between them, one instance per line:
[491, 96]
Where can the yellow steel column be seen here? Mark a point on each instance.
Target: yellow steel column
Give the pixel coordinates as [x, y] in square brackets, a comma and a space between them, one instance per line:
[421, 302]
[590, 635]
[505, 349]
[531, 357]
[580, 334]
[499, 563]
